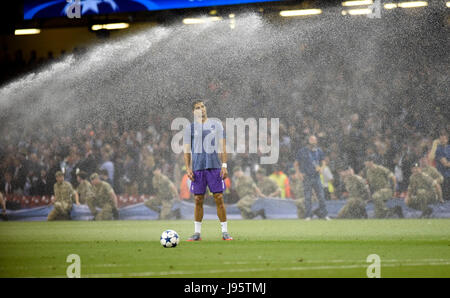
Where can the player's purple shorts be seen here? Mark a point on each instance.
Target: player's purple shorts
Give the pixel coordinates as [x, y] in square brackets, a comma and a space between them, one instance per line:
[210, 178]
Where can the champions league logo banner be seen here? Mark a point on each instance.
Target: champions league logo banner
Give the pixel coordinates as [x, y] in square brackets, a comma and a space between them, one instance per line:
[34, 9]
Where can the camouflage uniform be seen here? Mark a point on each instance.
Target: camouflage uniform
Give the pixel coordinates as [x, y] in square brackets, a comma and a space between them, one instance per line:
[421, 192]
[2, 203]
[62, 206]
[358, 194]
[378, 178]
[85, 192]
[102, 199]
[298, 194]
[433, 173]
[267, 186]
[245, 188]
[163, 201]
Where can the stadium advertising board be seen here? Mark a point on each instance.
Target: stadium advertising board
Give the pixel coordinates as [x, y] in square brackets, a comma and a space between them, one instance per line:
[34, 9]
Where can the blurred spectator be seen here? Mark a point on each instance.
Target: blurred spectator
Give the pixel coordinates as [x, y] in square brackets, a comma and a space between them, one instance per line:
[442, 157]
[327, 179]
[7, 185]
[282, 181]
[185, 185]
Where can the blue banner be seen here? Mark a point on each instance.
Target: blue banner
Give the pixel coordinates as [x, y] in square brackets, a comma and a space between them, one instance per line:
[34, 9]
[274, 208]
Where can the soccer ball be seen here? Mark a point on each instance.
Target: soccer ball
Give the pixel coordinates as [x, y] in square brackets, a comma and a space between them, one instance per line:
[169, 238]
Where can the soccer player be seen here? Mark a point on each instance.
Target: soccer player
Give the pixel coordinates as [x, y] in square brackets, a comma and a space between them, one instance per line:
[204, 143]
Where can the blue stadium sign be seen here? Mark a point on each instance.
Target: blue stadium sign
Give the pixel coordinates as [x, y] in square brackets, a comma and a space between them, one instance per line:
[58, 8]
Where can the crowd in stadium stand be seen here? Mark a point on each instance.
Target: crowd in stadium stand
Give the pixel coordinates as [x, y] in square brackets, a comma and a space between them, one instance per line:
[29, 158]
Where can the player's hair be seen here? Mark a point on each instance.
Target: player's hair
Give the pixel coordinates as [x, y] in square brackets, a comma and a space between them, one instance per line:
[196, 102]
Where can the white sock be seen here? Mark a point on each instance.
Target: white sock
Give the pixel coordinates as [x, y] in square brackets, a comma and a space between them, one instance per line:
[198, 226]
[224, 227]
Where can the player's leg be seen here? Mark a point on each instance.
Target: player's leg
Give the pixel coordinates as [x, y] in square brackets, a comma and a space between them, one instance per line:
[217, 186]
[198, 211]
[198, 188]
[222, 214]
[221, 210]
[198, 216]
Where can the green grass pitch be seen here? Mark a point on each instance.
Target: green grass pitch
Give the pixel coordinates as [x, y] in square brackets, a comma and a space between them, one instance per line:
[270, 248]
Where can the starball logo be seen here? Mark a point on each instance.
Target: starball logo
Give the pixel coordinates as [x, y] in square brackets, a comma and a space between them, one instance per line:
[75, 8]
[207, 137]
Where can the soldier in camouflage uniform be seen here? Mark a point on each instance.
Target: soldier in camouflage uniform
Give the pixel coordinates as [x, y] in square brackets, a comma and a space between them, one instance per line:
[166, 194]
[358, 194]
[3, 205]
[431, 171]
[64, 195]
[267, 186]
[298, 193]
[248, 193]
[422, 191]
[104, 198]
[84, 191]
[378, 178]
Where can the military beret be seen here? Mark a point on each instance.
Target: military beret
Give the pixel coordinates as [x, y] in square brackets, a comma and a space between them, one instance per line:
[58, 174]
[93, 176]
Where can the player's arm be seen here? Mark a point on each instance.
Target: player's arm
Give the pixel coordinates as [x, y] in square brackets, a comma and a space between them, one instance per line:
[187, 161]
[223, 158]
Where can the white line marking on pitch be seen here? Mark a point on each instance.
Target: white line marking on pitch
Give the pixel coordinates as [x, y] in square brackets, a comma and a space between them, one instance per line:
[166, 273]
